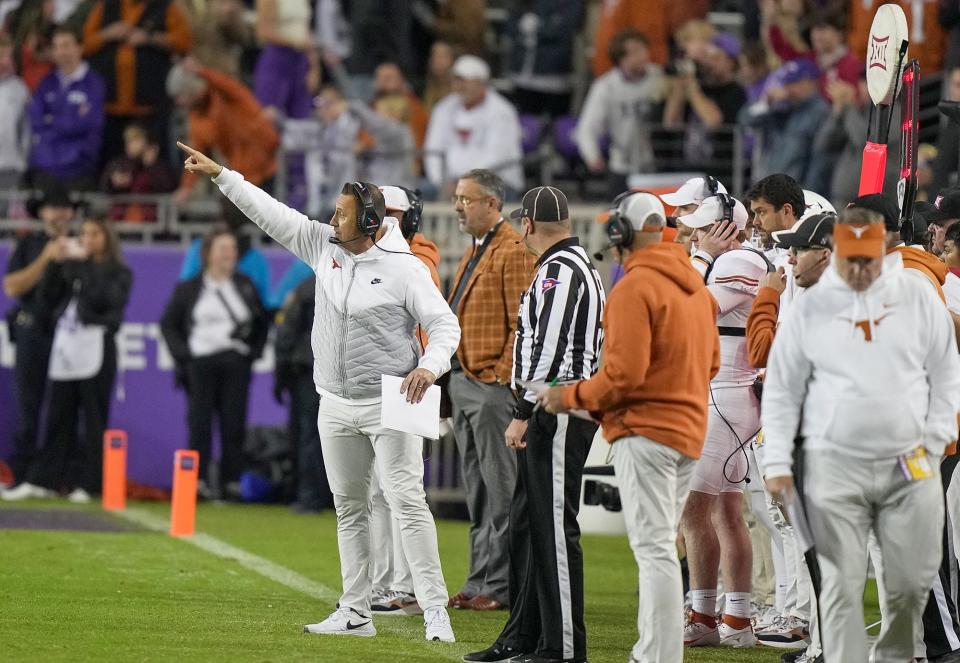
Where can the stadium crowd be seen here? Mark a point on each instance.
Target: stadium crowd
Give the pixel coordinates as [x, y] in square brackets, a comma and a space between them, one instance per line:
[286, 86]
[688, 379]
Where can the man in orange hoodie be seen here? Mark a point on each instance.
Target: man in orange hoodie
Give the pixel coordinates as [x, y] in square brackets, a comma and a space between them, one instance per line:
[226, 117]
[651, 394]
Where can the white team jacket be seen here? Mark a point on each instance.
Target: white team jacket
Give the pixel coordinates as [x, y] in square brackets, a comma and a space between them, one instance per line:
[872, 374]
[367, 305]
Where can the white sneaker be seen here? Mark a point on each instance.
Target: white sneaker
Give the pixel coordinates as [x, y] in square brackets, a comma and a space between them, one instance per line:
[764, 616]
[79, 496]
[344, 621]
[395, 603]
[436, 623]
[742, 638]
[786, 633]
[26, 491]
[698, 634]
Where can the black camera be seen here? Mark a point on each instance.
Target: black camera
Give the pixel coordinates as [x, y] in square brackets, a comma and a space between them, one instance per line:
[243, 332]
[598, 493]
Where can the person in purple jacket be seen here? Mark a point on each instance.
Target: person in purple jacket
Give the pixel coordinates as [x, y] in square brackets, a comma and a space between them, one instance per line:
[67, 118]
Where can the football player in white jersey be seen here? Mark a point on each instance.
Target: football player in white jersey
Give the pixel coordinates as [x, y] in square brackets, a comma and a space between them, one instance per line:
[713, 525]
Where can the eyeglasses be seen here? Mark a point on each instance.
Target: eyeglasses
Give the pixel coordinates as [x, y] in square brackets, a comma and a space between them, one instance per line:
[466, 201]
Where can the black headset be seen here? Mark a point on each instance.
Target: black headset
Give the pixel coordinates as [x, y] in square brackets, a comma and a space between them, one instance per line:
[619, 230]
[368, 219]
[412, 219]
[726, 201]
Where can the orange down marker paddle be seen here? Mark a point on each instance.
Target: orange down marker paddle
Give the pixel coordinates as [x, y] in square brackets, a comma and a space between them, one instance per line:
[183, 505]
[114, 470]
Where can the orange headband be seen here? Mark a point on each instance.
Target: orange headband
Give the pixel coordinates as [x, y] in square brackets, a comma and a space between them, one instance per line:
[868, 241]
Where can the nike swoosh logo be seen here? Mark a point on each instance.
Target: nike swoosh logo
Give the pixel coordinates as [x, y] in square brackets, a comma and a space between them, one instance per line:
[351, 626]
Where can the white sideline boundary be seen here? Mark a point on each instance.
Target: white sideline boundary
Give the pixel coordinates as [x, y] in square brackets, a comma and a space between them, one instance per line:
[288, 578]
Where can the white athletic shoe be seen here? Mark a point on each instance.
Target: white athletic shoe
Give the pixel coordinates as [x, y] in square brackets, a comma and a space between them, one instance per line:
[26, 491]
[79, 496]
[786, 633]
[698, 634]
[742, 638]
[344, 621]
[437, 626]
[764, 616]
[395, 603]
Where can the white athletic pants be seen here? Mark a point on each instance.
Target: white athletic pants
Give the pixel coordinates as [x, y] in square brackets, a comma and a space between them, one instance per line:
[388, 565]
[794, 589]
[353, 443]
[846, 498]
[653, 481]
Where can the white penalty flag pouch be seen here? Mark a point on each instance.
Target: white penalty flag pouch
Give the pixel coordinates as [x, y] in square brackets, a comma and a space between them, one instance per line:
[77, 351]
[397, 414]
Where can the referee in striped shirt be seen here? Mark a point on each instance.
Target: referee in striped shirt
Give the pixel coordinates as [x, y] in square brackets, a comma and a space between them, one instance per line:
[558, 340]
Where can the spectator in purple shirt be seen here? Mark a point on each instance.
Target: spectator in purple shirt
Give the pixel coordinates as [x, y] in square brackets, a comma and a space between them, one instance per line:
[67, 118]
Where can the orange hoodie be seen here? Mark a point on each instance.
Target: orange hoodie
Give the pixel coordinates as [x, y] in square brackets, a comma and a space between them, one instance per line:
[926, 263]
[429, 255]
[661, 350]
[762, 326]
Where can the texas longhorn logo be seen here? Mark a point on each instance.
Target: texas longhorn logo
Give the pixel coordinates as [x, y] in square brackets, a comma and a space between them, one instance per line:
[878, 52]
[866, 327]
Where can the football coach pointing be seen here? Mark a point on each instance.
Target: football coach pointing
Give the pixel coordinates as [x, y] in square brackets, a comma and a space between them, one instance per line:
[371, 295]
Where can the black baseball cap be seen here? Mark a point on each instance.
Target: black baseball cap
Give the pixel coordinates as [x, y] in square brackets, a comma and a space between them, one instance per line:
[543, 203]
[926, 213]
[949, 205]
[882, 205]
[815, 230]
[55, 196]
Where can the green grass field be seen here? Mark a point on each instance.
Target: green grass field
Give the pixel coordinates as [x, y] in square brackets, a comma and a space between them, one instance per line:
[143, 596]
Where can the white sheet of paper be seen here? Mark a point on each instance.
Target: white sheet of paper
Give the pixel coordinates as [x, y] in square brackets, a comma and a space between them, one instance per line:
[396, 413]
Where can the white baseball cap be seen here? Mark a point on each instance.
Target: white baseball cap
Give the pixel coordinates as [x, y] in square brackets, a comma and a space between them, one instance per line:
[815, 203]
[692, 192]
[711, 210]
[638, 207]
[471, 68]
[395, 198]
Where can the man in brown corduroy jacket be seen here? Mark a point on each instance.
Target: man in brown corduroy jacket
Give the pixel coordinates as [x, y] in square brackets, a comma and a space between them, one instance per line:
[492, 275]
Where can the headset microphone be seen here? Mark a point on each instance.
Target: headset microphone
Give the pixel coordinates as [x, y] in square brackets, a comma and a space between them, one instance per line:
[812, 267]
[599, 255]
[337, 240]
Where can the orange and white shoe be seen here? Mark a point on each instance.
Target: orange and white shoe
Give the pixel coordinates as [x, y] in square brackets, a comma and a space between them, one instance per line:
[739, 638]
[700, 634]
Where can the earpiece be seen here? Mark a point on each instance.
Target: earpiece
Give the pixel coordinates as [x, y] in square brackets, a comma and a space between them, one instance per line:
[726, 201]
[412, 219]
[368, 220]
[619, 230]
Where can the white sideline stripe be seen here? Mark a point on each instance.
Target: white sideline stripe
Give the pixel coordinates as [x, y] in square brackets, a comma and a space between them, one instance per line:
[281, 574]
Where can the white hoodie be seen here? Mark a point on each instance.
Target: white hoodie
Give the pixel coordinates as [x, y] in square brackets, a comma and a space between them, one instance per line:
[367, 305]
[872, 374]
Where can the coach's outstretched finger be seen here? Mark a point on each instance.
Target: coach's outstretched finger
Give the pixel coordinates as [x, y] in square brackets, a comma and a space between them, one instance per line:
[198, 162]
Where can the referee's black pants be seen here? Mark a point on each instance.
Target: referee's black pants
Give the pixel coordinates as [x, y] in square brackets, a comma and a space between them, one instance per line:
[219, 383]
[546, 561]
[941, 629]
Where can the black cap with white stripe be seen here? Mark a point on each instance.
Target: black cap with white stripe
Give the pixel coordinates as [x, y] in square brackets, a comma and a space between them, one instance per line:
[544, 203]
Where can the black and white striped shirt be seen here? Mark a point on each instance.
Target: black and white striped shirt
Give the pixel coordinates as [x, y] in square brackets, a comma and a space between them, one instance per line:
[559, 335]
